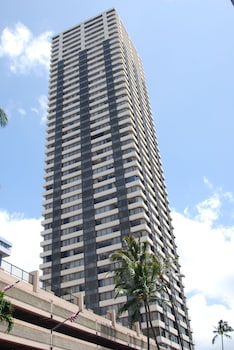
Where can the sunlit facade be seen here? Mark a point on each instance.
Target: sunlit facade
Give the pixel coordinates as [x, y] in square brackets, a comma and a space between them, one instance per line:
[103, 174]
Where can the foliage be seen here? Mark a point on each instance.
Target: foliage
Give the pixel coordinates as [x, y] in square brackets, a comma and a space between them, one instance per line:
[3, 118]
[138, 275]
[223, 329]
[6, 311]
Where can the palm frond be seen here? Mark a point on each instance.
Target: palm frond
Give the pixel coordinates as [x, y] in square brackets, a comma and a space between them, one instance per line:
[3, 118]
[6, 311]
[138, 274]
[227, 336]
[214, 339]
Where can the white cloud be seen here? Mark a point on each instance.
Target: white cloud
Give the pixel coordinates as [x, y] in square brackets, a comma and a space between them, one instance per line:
[41, 109]
[207, 255]
[23, 50]
[204, 318]
[208, 183]
[208, 210]
[24, 234]
[206, 249]
[13, 42]
[22, 111]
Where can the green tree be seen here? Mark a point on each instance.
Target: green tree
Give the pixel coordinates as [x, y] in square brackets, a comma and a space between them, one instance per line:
[223, 329]
[137, 274]
[3, 118]
[6, 311]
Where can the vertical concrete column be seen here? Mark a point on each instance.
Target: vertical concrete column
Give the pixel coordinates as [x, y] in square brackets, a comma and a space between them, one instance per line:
[112, 317]
[137, 328]
[82, 36]
[81, 301]
[35, 280]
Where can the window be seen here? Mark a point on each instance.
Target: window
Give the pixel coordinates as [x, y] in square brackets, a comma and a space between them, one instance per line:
[47, 259]
[131, 179]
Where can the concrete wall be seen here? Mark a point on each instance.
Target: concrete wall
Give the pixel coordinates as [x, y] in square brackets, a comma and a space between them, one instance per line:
[38, 311]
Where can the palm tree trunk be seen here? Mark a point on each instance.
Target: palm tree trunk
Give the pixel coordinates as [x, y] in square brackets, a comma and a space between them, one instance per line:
[176, 320]
[151, 324]
[147, 326]
[222, 341]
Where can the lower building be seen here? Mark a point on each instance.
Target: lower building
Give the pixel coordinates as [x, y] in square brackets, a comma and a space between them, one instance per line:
[5, 248]
[41, 321]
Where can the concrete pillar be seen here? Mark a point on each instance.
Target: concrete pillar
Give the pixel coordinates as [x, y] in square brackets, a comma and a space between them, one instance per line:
[137, 328]
[81, 301]
[112, 317]
[35, 280]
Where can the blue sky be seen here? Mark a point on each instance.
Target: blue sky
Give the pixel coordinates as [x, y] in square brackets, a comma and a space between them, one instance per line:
[188, 53]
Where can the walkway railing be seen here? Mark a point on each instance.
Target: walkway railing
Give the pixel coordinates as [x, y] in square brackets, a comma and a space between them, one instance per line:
[17, 272]
[29, 278]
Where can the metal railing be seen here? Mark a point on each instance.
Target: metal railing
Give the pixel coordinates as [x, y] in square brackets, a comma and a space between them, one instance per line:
[28, 277]
[17, 272]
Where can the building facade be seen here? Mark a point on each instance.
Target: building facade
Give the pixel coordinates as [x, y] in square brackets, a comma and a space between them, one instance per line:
[5, 248]
[103, 173]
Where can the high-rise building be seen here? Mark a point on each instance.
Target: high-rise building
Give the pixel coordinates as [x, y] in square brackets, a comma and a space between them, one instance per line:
[103, 174]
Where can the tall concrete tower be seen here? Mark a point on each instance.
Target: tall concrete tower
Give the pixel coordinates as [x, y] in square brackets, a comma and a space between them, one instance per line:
[103, 174]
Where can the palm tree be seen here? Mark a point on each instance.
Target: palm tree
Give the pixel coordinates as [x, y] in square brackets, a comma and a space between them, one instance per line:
[3, 118]
[137, 275]
[223, 329]
[6, 311]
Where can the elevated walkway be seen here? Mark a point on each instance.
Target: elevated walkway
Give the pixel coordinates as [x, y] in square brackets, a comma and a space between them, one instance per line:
[41, 322]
